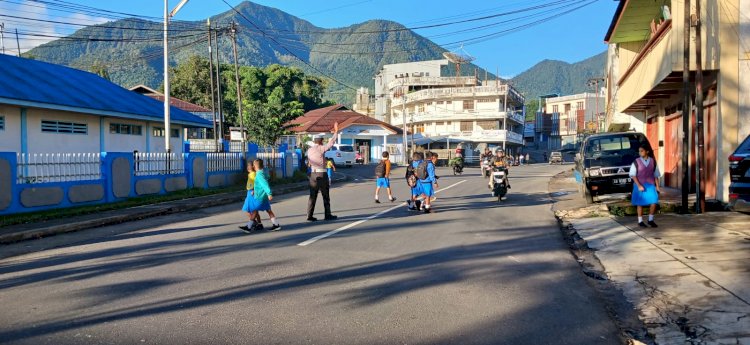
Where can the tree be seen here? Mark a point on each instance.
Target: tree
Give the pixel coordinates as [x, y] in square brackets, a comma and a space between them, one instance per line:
[191, 81]
[100, 69]
[532, 106]
[267, 123]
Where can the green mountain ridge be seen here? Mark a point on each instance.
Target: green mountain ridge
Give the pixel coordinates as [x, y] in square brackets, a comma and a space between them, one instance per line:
[352, 55]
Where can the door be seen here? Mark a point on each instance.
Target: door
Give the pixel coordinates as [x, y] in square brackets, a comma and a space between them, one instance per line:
[673, 151]
[363, 147]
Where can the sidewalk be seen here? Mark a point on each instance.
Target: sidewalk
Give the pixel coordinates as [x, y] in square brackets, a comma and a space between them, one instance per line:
[689, 278]
[22, 232]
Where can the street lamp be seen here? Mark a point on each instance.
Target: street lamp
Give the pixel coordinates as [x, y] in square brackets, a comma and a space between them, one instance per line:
[168, 15]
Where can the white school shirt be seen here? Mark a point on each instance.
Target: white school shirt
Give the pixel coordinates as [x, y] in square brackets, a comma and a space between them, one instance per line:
[634, 172]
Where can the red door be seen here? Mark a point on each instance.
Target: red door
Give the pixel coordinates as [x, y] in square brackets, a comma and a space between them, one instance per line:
[673, 151]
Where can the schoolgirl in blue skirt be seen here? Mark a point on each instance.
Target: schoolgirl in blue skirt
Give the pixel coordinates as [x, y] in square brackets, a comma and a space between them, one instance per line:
[645, 175]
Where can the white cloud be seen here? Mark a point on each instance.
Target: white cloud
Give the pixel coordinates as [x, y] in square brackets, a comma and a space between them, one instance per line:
[32, 31]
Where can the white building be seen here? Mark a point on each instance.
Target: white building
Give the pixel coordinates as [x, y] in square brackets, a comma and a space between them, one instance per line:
[577, 115]
[47, 108]
[450, 109]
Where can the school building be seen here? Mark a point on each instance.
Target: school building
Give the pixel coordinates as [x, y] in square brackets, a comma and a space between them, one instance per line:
[48, 108]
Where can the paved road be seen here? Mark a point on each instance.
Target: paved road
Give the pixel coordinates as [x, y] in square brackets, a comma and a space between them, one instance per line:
[474, 272]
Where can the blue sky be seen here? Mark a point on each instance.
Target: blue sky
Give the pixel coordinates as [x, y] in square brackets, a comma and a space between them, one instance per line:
[570, 37]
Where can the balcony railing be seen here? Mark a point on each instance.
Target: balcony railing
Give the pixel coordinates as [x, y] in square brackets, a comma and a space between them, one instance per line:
[493, 135]
[468, 115]
[432, 81]
[455, 92]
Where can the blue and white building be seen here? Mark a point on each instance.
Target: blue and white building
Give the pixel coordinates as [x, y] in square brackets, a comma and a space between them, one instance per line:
[48, 108]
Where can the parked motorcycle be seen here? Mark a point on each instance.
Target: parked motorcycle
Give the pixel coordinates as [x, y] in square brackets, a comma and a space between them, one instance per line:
[500, 182]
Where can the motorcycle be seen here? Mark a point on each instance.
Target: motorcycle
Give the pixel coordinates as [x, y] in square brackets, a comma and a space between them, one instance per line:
[486, 171]
[500, 182]
[458, 166]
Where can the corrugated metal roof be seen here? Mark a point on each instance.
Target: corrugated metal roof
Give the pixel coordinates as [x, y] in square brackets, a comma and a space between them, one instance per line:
[322, 120]
[44, 85]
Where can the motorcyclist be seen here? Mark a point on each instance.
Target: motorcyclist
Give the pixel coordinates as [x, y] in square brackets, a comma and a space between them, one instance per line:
[499, 161]
[460, 155]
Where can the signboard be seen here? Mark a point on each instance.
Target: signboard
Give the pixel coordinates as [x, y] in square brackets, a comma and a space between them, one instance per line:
[235, 134]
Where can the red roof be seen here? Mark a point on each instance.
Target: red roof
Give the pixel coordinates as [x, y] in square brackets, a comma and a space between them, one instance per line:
[322, 120]
[173, 101]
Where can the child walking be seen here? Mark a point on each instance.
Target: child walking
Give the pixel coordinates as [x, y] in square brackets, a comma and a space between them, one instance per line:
[645, 175]
[250, 195]
[427, 180]
[383, 175]
[330, 168]
[412, 181]
[261, 200]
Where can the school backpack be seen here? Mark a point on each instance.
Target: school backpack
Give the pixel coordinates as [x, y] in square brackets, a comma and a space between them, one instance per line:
[411, 177]
[421, 171]
[380, 169]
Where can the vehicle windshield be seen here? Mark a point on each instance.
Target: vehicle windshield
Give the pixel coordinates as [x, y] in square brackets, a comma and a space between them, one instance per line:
[616, 150]
[744, 147]
[346, 148]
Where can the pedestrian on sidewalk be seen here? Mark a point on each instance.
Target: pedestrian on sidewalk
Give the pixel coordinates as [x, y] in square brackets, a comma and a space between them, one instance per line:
[646, 190]
[319, 175]
[330, 168]
[261, 200]
[383, 175]
[253, 217]
[520, 159]
[527, 159]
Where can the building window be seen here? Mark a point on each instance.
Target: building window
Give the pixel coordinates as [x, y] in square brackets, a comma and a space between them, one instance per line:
[64, 127]
[2, 123]
[159, 132]
[467, 126]
[579, 105]
[555, 109]
[440, 123]
[440, 102]
[488, 125]
[469, 104]
[448, 102]
[487, 100]
[119, 128]
[420, 108]
[567, 107]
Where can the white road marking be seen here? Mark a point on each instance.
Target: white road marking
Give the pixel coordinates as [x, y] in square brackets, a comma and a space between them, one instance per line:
[351, 225]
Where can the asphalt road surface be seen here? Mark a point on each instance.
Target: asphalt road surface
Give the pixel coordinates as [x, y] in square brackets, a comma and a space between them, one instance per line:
[474, 272]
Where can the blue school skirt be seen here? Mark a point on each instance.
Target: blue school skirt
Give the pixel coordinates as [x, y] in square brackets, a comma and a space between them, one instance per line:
[417, 190]
[252, 204]
[646, 198]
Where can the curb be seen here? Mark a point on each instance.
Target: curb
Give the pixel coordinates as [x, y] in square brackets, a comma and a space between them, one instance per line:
[148, 211]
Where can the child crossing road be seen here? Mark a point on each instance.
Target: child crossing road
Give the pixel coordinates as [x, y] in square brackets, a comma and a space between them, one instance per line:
[261, 201]
[383, 175]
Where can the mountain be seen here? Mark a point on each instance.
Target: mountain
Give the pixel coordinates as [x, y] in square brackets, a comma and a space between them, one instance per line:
[130, 50]
[133, 54]
[551, 76]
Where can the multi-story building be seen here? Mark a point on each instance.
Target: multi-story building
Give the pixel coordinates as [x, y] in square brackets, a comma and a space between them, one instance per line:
[577, 115]
[645, 89]
[363, 103]
[451, 109]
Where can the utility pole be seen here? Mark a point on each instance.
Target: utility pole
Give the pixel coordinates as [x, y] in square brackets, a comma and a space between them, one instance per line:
[2, 36]
[211, 73]
[218, 87]
[239, 91]
[167, 133]
[700, 195]
[403, 117]
[18, 43]
[686, 107]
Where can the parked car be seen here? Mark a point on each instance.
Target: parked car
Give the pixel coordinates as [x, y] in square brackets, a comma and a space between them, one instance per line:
[739, 172]
[603, 163]
[342, 155]
[555, 158]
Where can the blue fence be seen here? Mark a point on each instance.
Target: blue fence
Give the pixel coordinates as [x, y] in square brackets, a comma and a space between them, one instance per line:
[36, 183]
